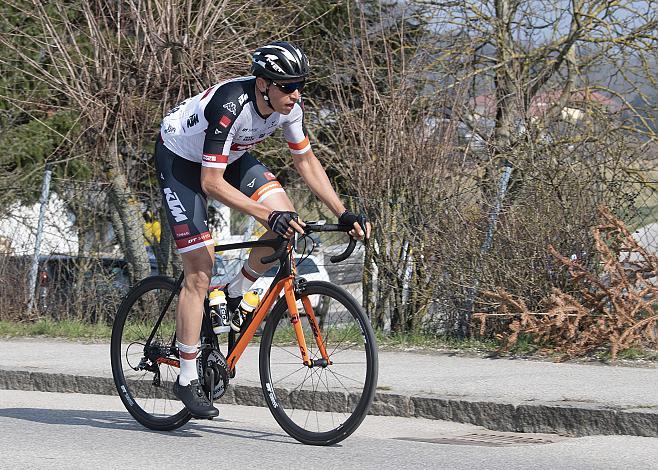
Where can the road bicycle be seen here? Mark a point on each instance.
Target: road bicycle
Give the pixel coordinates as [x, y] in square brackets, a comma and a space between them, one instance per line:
[319, 391]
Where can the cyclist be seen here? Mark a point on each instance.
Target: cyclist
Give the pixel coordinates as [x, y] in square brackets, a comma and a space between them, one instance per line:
[203, 151]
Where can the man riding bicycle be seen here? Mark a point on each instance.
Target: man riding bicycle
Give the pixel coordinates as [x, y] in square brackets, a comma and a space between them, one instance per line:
[203, 151]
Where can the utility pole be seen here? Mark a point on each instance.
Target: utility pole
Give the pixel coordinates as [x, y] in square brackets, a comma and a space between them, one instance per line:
[32, 277]
[465, 317]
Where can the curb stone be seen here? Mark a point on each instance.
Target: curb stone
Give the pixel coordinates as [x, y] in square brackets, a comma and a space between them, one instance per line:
[571, 418]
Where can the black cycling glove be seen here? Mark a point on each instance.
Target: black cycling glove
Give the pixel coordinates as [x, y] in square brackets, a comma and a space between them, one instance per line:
[348, 218]
[279, 221]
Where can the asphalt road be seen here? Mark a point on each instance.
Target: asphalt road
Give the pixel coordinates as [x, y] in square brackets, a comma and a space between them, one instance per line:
[56, 430]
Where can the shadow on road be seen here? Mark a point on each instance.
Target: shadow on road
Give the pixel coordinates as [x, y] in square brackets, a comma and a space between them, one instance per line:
[123, 421]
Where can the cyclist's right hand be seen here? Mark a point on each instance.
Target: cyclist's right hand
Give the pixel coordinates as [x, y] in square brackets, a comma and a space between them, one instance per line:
[361, 225]
[285, 223]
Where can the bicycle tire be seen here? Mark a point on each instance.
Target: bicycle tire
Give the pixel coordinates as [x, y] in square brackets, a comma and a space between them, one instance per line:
[336, 410]
[152, 405]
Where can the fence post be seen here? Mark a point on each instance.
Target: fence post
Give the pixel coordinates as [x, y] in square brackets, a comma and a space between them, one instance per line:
[465, 318]
[32, 277]
[246, 235]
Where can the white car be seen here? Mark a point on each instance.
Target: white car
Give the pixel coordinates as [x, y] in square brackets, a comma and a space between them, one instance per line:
[309, 267]
[224, 270]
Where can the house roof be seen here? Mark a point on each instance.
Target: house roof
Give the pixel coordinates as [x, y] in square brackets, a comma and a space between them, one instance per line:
[485, 105]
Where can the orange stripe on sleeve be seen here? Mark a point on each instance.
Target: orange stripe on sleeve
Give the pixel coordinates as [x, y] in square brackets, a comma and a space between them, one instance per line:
[299, 145]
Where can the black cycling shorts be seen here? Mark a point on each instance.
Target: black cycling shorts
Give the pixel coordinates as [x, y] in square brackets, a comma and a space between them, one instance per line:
[180, 182]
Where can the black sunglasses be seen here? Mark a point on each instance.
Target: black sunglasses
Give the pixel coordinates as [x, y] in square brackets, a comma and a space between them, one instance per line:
[288, 88]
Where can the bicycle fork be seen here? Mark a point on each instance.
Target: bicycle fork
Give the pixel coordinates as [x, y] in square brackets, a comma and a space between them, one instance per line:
[289, 290]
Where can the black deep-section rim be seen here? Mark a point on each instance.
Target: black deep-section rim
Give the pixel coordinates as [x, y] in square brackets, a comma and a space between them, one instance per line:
[127, 389]
[275, 402]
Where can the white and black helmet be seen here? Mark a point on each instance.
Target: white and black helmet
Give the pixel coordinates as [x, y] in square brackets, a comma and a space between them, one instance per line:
[280, 61]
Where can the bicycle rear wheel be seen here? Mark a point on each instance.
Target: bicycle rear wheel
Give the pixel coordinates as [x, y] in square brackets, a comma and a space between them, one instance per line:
[144, 374]
[320, 405]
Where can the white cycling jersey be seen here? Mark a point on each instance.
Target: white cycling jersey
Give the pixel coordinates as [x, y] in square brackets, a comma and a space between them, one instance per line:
[218, 126]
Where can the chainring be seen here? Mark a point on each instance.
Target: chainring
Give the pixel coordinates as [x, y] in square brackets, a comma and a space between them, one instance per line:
[215, 360]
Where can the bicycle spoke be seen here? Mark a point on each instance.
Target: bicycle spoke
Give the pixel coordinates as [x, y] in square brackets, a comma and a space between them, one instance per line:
[337, 375]
[337, 351]
[346, 332]
[320, 401]
[293, 372]
[342, 363]
[289, 352]
[151, 403]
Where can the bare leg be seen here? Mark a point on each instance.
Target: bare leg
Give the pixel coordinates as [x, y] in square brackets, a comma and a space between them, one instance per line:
[275, 202]
[197, 266]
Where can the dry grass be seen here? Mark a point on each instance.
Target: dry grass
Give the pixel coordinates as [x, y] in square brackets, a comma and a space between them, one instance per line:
[614, 309]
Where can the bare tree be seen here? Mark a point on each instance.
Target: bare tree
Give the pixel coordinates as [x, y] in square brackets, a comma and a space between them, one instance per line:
[418, 106]
[121, 65]
[435, 96]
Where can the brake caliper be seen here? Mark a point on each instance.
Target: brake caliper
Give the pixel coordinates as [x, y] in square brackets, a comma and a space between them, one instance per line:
[300, 287]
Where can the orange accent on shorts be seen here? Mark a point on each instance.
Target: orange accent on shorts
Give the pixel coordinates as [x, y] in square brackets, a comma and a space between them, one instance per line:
[264, 189]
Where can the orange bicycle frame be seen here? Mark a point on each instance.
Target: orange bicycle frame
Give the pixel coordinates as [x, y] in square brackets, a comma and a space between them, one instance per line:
[287, 285]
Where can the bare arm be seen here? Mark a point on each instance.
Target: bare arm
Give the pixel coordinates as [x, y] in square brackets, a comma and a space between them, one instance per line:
[310, 169]
[313, 174]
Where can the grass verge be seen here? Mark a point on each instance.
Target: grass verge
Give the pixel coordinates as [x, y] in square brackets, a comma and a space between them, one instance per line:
[72, 329]
[78, 330]
[420, 341]
[68, 329]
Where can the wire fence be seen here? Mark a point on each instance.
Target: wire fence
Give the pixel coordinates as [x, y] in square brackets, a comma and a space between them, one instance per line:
[83, 272]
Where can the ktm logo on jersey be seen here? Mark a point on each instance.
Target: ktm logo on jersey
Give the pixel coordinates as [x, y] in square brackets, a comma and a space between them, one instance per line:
[193, 120]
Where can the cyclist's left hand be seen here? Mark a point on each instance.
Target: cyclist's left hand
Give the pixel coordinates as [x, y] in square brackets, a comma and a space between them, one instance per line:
[361, 225]
[285, 223]
[295, 226]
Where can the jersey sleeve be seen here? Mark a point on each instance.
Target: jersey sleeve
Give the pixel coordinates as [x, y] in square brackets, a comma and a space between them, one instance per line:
[221, 112]
[294, 131]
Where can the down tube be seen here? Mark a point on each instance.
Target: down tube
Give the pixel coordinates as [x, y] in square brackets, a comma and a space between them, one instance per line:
[258, 318]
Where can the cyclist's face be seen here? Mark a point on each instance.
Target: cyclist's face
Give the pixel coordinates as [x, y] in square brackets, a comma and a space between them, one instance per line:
[280, 100]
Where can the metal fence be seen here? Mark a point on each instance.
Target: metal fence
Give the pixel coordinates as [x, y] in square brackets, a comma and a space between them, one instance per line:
[82, 272]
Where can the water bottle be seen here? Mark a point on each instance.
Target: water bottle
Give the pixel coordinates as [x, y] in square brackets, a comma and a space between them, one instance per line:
[218, 311]
[248, 304]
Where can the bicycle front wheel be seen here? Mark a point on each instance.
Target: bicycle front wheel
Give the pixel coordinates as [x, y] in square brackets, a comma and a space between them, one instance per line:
[320, 405]
[144, 371]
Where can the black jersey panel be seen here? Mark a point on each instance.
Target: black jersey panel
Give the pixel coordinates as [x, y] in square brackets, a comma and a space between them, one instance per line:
[221, 113]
